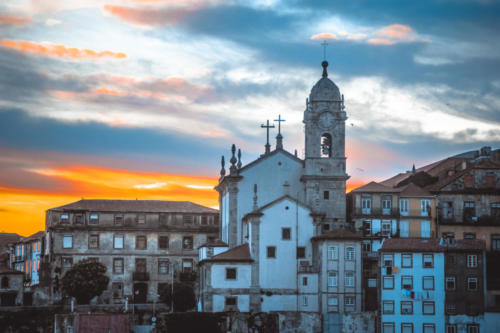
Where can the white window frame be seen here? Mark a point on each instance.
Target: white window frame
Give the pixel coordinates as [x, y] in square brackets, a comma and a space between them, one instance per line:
[332, 279]
[388, 307]
[349, 279]
[471, 260]
[404, 207]
[425, 207]
[350, 253]
[333, 253]
[348, 299]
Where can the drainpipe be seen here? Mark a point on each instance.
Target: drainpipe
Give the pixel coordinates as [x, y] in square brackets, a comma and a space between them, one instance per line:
[296, 246]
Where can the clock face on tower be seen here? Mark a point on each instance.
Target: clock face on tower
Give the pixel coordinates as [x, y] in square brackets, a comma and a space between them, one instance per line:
[326, 120]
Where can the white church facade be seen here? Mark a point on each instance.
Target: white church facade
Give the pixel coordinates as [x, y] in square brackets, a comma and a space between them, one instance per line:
[284, 242]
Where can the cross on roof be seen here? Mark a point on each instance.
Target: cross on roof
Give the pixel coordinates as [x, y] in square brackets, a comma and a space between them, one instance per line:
[324, 44]
[279, 120]
[267, 127]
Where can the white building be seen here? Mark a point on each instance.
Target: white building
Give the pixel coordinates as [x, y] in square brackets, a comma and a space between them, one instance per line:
[412, 285]
[274, 212]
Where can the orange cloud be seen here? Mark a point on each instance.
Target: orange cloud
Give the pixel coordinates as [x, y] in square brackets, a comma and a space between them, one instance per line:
[22, 209]
[150, 16]
[398, 32]
[379, 41]
[14, 20]
[58, 50]
[324, 35]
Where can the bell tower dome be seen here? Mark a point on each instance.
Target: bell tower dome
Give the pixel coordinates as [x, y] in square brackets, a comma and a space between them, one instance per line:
[325, 162]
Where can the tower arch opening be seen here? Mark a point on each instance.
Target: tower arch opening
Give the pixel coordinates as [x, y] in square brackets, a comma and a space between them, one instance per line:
[326, 145]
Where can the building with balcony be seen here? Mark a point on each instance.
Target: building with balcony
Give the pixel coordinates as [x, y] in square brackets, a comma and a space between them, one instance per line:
[412, 289]
[144, 244]
[26, 256]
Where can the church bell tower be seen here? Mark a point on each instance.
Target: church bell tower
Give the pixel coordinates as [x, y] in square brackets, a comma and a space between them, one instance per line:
[325, 162]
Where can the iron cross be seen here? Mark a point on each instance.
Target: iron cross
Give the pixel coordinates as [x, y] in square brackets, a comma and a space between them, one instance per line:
[324, 44]
[279, 120]
[267, 127]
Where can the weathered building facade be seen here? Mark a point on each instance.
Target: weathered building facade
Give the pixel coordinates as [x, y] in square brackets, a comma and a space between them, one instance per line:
[143, 243]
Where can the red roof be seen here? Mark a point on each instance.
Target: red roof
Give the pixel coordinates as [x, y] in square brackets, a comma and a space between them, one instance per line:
[338, 234]
[238, 253]
[102, 322]
[431, 245]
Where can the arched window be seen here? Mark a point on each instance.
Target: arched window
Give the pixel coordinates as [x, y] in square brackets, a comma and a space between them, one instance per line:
[5, 282]
[349, 253]
[326, 145]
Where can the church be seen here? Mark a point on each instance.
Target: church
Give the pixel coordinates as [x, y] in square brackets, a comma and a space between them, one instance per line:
[284, 242]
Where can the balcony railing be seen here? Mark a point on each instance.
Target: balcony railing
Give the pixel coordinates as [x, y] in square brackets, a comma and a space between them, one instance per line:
[140, 276]
[389, 212]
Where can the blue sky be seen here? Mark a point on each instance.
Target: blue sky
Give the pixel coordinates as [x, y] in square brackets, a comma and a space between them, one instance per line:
[167, 86]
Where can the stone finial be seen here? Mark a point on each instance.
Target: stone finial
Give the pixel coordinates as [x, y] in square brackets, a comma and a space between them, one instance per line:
[279, 141]
[325, 65]
[233, 160]
[413, 170]
[255, 206]
[222, 170]
[295, 153]
[239, 159]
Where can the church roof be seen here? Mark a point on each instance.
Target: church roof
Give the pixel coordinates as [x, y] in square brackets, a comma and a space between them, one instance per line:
[266, 156]
[325, 89]
[150, 206]
[338, 234]
[238, 253]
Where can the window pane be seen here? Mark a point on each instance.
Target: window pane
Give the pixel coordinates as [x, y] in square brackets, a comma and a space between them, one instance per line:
[67, 242]
[118, 242]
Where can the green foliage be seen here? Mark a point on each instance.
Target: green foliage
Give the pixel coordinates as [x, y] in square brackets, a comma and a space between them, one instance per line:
[85, 280]
[184, 298]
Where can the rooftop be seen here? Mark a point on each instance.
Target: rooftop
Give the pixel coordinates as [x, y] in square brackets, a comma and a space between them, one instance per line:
[431, 245]
[338, 234]
[238, 253]
[146, 206]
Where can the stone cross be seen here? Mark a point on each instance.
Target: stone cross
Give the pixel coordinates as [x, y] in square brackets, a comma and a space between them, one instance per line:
[324, 44]
[279, 120]
[267, 127]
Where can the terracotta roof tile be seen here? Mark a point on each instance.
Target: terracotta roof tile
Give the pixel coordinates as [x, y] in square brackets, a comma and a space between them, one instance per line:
[215, 243]
[375, 187]
[147, 206]
[340, 234]
[431, 245]
[238, 253]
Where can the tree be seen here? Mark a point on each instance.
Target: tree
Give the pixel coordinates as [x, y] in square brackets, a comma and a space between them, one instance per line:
[85, 280]
[184, 298]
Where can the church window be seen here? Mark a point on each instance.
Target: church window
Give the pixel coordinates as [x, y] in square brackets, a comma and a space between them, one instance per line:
[230, 273]
[326, 195]
[301, 252]
[304, 301]
[304, 281]
[271, 251]
[286, 233]
[326, 145]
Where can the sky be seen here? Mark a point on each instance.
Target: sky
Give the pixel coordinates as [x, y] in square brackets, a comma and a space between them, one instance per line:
[129, 99]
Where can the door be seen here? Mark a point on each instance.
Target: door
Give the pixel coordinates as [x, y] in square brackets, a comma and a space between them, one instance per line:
[404, 229]
[140, 292]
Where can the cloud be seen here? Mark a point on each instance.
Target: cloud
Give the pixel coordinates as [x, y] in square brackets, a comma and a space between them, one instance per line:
[344, 30]
[150, 186]
[51, 22]
[61, 51]
[150, 16]
[324, 35]
[14, 20]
